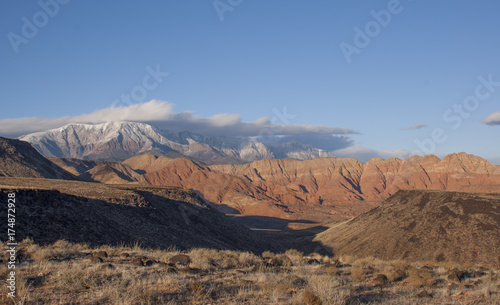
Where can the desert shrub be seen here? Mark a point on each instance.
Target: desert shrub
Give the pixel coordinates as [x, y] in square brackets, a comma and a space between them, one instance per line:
[357, 274]
[327, 260]
[72, 279]
[268, 254]
[130, 292]
[281, 260]
[111, 251]
[327, 289]
[198, 291]
[59, 250]
[73, 247]
[316, 256]
[347, 259]
[227, 259]
[400, 264]
[203, 258]
[295, 255]
[368, 262]
[22, 289]
[210, 258]
[332, 270]
[449, 264]
[394, 274]
[38, 254]
[276, 283]
[247, 259]
[247, 291]
[418, 277]
[310, 298]
[4, 271]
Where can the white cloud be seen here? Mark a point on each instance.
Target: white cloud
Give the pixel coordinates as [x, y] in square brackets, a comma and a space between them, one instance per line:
[326, 142]
[492, 119]
[162, 115]
[364, 154]
[417, 126]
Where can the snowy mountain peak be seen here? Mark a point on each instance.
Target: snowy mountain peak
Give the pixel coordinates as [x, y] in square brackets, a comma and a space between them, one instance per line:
[122, 139]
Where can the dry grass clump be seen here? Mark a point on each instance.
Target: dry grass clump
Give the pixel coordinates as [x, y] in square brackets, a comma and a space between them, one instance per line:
[60, 250]
[73, 278]
[332, 270]
[210, 259]
[295, 255]
[310, 298]
[123, 292]
[328, 289]
[275, 285]
[347, 259]
[394, 274]
[418, 277]
[357, 274]
[247, 259]
[267, 254]
[399, 264]
[368, 262]
[198, 291]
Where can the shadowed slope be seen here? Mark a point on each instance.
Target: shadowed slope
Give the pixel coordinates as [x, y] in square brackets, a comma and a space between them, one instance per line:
[19, 159]
[424, 225]
[97, 214]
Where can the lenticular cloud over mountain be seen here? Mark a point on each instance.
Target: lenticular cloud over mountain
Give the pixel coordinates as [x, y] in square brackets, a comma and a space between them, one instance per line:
[161, 114]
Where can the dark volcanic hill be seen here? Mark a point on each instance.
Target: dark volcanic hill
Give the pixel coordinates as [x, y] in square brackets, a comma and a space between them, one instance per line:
[157, 217]
[424, 226]
[19, 159]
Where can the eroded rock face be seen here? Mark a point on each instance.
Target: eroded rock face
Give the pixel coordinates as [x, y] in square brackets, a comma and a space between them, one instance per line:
[266, 186]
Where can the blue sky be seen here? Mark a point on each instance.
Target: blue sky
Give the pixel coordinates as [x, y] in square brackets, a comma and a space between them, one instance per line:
[263, 58]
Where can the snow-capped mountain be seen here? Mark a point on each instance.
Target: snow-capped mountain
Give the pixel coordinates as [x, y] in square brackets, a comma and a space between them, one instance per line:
[121, 140]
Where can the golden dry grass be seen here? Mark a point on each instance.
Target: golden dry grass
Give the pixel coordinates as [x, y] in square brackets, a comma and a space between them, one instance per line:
[61, 273]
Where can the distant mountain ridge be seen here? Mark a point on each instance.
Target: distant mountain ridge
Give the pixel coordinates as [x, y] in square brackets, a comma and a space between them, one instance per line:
[121, 140]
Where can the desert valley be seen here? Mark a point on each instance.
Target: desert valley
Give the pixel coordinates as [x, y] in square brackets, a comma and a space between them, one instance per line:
[316, 230]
